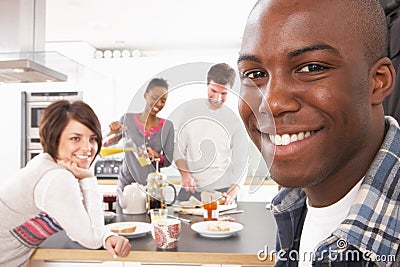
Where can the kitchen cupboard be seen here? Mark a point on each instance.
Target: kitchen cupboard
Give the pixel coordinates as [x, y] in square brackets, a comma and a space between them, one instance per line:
[77, 264]
[116, 264]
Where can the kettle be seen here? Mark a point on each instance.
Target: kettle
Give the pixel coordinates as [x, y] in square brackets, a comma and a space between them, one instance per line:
[133, 199]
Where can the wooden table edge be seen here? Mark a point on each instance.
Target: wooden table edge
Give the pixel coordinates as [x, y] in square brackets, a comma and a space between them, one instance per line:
[151, 256]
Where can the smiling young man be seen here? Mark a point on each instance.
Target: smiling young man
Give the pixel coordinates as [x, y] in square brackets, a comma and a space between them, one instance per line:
[211, 144]
[313, 79]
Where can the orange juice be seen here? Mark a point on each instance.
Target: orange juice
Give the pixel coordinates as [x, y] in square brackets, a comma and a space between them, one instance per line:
[143, 161]
[107, 151]
[158, 214]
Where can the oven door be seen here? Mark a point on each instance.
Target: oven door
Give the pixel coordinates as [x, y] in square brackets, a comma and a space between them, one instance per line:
[31, 153]
[34, 110]
[33, 143]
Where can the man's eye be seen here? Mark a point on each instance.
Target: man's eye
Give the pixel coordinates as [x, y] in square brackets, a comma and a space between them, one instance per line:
[254, 74]
[312, 68]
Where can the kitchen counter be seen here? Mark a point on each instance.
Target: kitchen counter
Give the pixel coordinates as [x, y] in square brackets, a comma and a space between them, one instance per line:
[241, 249]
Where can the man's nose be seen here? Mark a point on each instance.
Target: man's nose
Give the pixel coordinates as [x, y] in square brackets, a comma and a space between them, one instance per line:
[279, 97]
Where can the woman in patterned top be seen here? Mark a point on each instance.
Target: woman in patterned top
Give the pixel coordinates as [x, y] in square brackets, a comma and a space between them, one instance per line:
[146, 128]
[56, 190]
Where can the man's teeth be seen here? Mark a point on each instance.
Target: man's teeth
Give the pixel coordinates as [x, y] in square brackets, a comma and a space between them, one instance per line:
[286, 139]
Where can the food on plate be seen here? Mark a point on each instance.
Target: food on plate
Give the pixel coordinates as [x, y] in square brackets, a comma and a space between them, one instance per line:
[218, 227]
[119, 229]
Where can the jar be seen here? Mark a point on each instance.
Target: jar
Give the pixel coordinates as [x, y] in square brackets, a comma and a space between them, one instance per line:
[211, 211]
[109, 202]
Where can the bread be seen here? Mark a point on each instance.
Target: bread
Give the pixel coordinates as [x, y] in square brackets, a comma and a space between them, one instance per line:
[218, 227]
[124, 229]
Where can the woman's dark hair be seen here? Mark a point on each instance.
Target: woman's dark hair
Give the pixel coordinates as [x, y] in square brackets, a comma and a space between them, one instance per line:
[55, 118]
[157, 82]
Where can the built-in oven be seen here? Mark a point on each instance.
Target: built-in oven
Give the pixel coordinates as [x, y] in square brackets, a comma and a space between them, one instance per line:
[33, 105]
[31, 153]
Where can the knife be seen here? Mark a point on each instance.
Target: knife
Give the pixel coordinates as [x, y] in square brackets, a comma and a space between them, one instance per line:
[178, 218]
[231, 212]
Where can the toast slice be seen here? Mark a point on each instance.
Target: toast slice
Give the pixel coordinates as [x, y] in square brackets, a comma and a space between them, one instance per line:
[124, 229]
[218, 227]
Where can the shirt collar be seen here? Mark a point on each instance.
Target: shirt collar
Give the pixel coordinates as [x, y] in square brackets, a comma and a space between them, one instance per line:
[372, 224]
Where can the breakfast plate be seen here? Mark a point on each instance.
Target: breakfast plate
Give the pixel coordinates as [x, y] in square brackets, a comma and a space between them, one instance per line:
[227, 228]
[142, 228]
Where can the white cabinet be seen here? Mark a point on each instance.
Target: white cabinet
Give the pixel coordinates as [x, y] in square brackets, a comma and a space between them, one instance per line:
[115, 264]
[133, 264]
[77, 264]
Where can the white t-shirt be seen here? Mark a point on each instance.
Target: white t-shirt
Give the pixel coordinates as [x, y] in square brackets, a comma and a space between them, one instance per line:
[213, 143]
[321, 222]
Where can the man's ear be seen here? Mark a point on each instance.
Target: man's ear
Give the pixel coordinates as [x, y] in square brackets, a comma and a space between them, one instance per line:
[383, 78]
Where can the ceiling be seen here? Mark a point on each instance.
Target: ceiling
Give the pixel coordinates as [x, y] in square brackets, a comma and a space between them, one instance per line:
[148, 25]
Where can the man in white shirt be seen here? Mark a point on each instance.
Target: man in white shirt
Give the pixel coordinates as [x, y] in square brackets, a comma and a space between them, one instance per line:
[211, 144]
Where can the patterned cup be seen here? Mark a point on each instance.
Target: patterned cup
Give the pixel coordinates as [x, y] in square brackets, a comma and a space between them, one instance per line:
[166, 233]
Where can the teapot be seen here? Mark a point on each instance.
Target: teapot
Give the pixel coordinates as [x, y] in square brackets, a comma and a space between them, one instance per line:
[156, 184]
[133, 199]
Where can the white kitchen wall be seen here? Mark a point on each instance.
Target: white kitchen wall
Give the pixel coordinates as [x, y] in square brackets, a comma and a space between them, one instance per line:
[109, 86]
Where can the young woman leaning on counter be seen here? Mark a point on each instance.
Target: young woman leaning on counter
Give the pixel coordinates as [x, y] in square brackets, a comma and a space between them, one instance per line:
[56, 190]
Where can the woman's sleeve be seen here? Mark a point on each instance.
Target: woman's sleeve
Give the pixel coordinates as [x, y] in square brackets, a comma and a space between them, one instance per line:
[75, 205]
[168, 145]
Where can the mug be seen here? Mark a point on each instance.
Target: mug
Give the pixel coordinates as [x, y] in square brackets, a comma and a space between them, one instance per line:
[167, 232]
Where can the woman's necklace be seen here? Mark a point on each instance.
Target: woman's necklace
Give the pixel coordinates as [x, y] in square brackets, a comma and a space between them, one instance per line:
[149, 122]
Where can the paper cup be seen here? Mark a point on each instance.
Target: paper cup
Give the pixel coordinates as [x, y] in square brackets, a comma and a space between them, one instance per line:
[167, 232]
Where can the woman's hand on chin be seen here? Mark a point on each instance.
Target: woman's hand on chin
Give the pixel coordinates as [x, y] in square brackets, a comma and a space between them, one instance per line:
[78, 172]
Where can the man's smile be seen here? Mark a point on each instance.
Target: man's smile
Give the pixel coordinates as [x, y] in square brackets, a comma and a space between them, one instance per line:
[286, 139]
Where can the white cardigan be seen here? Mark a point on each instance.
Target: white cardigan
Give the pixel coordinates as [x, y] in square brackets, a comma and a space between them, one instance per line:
[43, 185]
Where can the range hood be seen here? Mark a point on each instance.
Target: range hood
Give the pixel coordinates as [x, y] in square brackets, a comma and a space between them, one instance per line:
[23, 58]
[26, 71]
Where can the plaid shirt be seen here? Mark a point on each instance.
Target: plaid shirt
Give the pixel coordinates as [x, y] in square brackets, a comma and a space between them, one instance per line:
[370, 234]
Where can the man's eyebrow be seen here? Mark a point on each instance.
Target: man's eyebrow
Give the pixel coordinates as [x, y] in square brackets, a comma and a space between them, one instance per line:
[248, 57]
[294, 53]
[311, 48]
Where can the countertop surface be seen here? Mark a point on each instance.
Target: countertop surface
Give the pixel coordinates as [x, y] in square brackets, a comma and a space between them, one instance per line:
[258, 234]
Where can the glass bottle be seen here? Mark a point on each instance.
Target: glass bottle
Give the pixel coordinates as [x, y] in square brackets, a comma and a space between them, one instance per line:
[211, 211]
